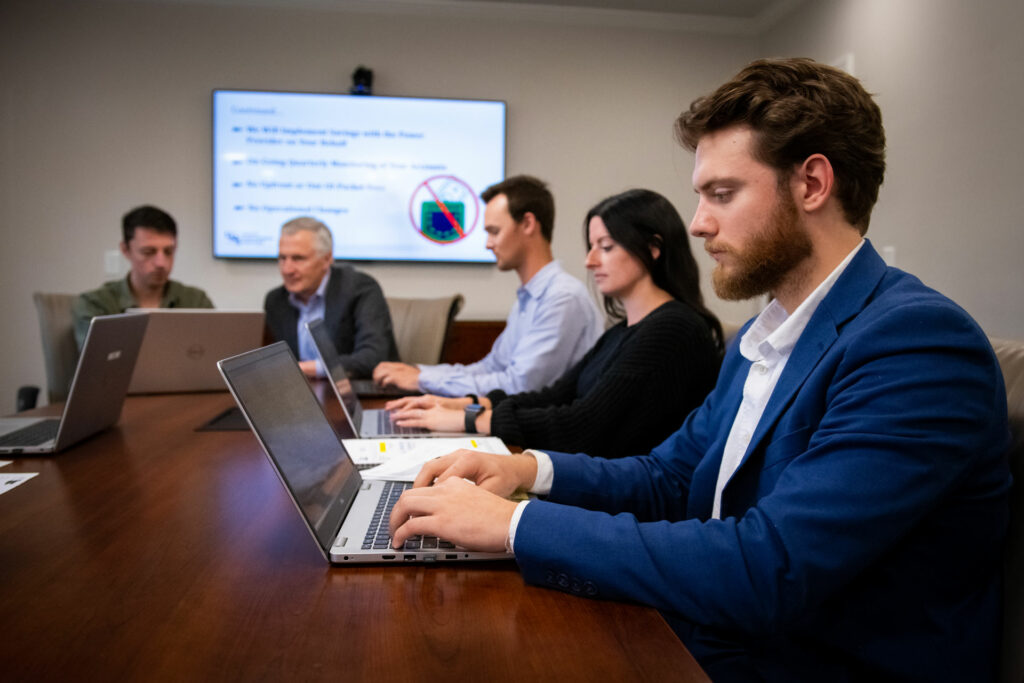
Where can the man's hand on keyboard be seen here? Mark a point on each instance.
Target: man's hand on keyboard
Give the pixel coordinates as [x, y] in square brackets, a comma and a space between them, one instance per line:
[500, 474]
[401, 375]
[455, 510]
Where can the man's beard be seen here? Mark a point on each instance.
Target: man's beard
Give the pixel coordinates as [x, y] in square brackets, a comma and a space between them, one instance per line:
[767, 257]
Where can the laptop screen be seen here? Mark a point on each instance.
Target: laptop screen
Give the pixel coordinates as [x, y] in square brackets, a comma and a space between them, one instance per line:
[291, 425]
[336, 373]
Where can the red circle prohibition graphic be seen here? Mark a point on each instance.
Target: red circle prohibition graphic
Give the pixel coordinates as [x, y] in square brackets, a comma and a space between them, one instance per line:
[444, 209]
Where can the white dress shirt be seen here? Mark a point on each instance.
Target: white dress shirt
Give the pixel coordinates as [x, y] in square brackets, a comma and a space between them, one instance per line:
[768, 345]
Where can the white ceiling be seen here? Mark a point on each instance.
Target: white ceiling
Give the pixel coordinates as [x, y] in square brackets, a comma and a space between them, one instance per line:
[741, 17]
[733, 8]
[744, 9]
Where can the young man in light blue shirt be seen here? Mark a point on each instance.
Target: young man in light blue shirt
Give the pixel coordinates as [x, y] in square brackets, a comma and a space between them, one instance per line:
[553, 323]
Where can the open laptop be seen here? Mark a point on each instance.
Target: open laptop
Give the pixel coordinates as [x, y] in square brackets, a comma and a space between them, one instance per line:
[367, 424]
[97, 390]
[367, 388]
[347, 515]
[182, 347]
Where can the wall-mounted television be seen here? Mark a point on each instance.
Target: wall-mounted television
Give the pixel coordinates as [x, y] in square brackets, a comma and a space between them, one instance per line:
[394, 178]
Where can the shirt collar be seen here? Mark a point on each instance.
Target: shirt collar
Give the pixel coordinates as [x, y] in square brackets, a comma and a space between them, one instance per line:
[317, 295]
[775, 332]
[539, 282]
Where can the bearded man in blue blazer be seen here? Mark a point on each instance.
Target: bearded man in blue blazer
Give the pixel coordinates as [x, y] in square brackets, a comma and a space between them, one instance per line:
[835, 510]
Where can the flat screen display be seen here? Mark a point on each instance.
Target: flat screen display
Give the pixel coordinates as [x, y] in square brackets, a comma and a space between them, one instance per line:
[394, 178]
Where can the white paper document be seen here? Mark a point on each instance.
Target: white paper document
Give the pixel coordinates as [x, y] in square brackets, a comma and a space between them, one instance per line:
[11, 479]
[401, 459]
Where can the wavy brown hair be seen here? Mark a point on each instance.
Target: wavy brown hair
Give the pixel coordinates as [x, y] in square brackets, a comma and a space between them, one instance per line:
[796, 108]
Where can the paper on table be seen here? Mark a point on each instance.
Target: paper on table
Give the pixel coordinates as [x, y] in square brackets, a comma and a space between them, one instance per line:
[9, 481]
[5, 462]
[401, 459]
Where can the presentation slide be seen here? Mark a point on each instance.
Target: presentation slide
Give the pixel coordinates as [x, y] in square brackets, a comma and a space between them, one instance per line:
[394, 178]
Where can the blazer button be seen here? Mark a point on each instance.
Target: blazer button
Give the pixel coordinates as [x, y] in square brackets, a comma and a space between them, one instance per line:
[549, 578]
[589, 588]
[577, 586]
[563, 580]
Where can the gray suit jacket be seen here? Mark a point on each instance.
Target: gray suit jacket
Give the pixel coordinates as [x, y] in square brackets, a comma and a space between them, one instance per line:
[355, 314]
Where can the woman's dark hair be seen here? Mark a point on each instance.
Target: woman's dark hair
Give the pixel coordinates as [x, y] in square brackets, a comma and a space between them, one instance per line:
[640, 219]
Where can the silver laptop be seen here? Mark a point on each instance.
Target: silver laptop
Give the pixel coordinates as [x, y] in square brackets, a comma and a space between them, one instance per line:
[97, 390]
[182, 347]
[347, 515]
[368, 424]
[367, 388]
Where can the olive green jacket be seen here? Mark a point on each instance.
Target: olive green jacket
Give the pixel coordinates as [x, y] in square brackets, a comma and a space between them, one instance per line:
[116, 297]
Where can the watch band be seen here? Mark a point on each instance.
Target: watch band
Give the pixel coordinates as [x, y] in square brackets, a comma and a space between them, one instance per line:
[471, 413]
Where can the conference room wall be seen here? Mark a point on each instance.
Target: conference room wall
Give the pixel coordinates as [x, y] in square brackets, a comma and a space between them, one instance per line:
[106, 105]
[947, 75]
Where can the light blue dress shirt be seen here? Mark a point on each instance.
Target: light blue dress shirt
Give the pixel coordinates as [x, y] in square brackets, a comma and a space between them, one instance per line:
[553, 323]
[308, 312]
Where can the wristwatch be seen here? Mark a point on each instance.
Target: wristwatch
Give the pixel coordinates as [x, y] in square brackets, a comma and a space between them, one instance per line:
[472, 411]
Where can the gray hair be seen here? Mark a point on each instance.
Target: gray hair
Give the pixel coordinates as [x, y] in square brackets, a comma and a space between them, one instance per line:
[324, 240]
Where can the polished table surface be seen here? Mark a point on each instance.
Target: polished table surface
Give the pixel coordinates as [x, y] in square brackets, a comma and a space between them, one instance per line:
[154, 551]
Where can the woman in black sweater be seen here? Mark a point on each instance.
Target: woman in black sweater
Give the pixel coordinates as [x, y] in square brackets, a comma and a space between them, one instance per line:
[645, 373]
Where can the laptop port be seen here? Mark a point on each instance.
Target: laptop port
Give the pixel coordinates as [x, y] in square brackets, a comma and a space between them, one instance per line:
[407, 557]
[387, 557]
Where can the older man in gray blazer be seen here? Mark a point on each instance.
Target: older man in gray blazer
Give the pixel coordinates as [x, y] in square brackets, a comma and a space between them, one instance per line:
[350, 303]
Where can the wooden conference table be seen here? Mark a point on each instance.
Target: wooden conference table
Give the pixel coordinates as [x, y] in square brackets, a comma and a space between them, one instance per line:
[157, 552]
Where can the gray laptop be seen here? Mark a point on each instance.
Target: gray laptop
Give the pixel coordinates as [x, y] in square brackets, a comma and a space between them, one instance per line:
[97, 390]
[367, 388]
[368, 424]
[347, 515]
[182, 347]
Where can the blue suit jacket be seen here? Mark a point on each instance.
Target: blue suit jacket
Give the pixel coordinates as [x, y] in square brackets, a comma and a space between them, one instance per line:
[861, 535]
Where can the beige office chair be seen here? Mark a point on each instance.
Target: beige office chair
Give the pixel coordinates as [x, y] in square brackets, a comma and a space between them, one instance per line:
[421, 326]
[60, 352]
[1011, 360]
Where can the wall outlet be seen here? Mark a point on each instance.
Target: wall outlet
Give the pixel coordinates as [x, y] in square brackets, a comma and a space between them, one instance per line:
[113, 262]
[889, 255]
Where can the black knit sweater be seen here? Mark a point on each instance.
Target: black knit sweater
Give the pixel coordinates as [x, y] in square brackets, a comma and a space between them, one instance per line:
[627, 395]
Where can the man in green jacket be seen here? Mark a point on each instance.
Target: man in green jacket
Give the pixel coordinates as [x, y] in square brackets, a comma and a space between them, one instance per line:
[150, 240]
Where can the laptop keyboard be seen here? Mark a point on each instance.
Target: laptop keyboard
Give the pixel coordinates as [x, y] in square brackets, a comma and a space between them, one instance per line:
[378, 536]
[386, 426]
[32, 435]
